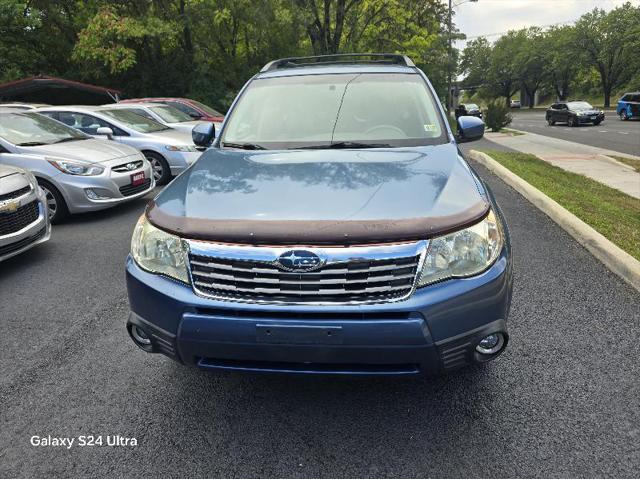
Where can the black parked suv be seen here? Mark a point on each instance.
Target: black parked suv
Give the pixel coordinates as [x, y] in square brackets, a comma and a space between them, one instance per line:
[468, 109]
[574, 113]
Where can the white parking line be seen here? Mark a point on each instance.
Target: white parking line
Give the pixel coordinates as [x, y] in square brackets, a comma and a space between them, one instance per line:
[623, 132]
[603, 131]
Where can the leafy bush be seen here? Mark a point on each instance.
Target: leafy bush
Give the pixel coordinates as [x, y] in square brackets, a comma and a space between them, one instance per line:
[497, 115]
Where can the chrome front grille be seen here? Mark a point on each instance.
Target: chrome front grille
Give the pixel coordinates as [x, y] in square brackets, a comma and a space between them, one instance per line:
[127, 167]
[347, 276]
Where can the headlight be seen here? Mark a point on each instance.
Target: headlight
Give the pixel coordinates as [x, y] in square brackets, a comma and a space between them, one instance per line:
[158, 252]
[185, 148]
[79, 169]
[464, 253]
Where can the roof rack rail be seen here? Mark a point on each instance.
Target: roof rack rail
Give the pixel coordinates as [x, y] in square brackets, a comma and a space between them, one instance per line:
[339, 59]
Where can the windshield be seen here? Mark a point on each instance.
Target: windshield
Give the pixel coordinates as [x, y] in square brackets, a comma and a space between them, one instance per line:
[322, 110]
[135, 121]
[206, 108]
[32, 129]
[472, 106]
[170, 114]
[579, 105]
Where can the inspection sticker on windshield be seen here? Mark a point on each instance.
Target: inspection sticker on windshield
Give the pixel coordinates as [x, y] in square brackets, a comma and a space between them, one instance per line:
[430, 127]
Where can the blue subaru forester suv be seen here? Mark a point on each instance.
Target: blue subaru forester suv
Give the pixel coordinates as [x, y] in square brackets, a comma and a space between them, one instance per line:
[332, 227]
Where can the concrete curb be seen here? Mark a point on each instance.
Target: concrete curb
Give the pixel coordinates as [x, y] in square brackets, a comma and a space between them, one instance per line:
[614, 258]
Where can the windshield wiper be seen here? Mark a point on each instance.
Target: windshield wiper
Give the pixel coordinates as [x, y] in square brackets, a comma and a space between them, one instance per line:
[346, 145]
[243, 146]
[71, 138]
[32, 143]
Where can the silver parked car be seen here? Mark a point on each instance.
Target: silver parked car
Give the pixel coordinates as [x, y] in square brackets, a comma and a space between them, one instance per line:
[170, 151]
[24, 221]
[165, 114]
[77, 173]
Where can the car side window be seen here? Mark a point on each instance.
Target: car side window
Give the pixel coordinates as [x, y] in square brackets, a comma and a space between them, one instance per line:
[51, 114]
[88, 124]
[142, 112]
[554, 106]
[634, 98]
[626, 98]
[562, 106]
[185, 108]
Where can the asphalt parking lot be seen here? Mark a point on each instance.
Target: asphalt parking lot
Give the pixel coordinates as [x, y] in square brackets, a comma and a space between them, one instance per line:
[563, 401]
[613, 134]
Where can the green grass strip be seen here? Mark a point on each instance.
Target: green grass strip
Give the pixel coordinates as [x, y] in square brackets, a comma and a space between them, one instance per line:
[612, 213]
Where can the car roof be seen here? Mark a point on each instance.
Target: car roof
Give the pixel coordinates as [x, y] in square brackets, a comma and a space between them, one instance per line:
[70, 108]
[132, 105]
[336, 69]
[154, 99]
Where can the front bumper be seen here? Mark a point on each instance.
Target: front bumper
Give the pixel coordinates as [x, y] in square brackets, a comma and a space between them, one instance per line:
[113, 188]
[31, 235]
[591, 118]
[434, 330]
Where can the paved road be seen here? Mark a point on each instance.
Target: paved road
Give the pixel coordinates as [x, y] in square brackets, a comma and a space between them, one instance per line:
[613, 134]
[563, 401]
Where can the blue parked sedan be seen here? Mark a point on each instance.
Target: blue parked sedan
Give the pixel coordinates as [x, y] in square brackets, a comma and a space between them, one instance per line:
[332, 228]
[629, 106]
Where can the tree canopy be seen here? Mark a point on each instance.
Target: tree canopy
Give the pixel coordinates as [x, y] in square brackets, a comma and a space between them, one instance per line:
[207, 49]
[600, 45]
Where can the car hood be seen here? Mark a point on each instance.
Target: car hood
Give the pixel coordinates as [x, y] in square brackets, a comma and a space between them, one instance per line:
[6, 170]
[11, 180]
[90, 150]
[321, 196]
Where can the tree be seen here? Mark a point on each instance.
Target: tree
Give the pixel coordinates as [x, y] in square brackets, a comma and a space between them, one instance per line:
[610, 42]
[530, 61]
[557, 46]
[504, 70]
[476, 62]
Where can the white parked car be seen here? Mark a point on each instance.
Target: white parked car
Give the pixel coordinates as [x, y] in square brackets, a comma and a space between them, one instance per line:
[170, 151]
[165, 114]
[77, 172]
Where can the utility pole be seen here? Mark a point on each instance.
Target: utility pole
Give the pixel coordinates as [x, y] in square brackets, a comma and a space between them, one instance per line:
[450, 61]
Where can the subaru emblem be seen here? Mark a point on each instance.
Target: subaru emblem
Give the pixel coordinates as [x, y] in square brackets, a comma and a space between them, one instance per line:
[299, 260]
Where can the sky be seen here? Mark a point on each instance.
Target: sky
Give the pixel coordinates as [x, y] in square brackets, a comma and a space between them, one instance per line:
[486, 17]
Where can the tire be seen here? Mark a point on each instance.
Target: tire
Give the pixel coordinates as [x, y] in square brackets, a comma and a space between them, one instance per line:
[159, 167]
[597, 122]
[623, 115]
[57, 206]
[571, 121]
[550, 121]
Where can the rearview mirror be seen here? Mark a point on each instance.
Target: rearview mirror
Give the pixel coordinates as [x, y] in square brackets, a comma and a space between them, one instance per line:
[104, 131]
[470, 128]
[203, 134]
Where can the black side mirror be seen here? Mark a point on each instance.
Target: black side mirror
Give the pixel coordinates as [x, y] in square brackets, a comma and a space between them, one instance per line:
[203, 134]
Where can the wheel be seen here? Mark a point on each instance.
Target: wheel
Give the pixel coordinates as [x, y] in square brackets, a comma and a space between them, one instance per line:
[159, 167]
[56, 204]
[572, 121]
[597, 122]
[550, 121]
[623, 115]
